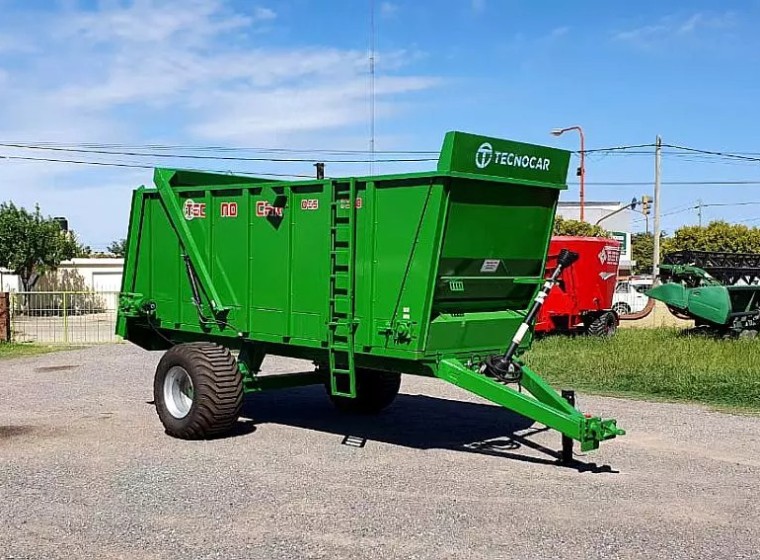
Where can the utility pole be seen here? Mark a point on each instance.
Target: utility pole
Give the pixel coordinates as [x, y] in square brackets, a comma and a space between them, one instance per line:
[372, 87]
[699, 211]
[656, 232]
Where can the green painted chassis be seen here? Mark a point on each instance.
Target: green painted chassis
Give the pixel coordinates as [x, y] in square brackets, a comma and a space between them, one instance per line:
[534, 398]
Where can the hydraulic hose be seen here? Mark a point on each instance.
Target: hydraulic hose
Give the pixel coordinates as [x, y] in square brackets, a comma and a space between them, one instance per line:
[502, 367]
[641, 314]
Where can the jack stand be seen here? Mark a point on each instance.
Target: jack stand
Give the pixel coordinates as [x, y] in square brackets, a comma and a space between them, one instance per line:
[567, 443]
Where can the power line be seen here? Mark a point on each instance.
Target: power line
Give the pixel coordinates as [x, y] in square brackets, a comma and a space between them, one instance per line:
[212, 148]
[145, 166]
[714, 153]
[681, 183]
[205, 157]
[167, 147]
[617, 149]
[138, 166]
[682, 209]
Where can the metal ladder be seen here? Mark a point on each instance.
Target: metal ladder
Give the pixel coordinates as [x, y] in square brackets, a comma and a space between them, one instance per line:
[342, 324]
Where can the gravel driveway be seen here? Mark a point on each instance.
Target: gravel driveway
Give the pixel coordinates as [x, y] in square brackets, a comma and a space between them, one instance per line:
[87, 472]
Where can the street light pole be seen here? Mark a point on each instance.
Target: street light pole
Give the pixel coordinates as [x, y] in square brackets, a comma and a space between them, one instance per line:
[559, 132]
[631, 206]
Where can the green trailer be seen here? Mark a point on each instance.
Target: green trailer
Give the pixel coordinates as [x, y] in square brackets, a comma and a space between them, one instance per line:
[437, 274]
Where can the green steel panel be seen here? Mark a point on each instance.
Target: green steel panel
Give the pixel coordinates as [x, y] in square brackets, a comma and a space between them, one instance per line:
[308, 289]
[495, 241]
[481, 155]
[405, 235]
[162, 261]
[269, 261]
[228, 240]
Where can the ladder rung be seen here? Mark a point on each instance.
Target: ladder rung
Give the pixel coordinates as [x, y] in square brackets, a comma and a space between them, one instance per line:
[341, 304]
[340, 256]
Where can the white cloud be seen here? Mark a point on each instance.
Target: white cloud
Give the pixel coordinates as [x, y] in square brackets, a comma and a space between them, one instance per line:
[170, 71]
[388, 9]
[478, 6]
[236, 118]
[263, 14]
[676, 27]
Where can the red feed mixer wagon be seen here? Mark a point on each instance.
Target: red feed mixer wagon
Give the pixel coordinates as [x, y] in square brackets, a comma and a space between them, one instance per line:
[582, 300]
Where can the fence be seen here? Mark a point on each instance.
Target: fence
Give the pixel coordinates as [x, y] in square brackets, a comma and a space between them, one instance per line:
[64, 317]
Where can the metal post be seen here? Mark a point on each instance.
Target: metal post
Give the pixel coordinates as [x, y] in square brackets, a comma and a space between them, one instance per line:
[699, 211]
[372, 87]
[656, 251]
[583, 175]
[567, 442]
[65, 320]
[5, 316]
[581, 169]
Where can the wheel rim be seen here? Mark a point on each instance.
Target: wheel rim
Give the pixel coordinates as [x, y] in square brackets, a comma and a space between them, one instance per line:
[622, 309]
[178, 392]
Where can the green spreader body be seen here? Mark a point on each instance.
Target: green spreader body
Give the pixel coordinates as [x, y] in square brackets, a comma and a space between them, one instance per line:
[422, 273]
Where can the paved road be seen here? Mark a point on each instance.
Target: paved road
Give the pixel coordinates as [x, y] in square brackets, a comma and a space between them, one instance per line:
[86, 472]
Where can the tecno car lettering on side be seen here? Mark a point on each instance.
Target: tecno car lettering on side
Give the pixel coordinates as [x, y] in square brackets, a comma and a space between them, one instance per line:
[263, 209]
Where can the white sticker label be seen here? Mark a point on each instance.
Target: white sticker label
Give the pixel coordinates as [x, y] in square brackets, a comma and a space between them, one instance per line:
[490, 265]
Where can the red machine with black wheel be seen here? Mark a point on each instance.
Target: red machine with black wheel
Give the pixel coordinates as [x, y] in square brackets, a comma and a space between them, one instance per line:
[581, 302]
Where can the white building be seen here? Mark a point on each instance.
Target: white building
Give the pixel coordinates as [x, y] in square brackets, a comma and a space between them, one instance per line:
[100, 275]
[619, 224]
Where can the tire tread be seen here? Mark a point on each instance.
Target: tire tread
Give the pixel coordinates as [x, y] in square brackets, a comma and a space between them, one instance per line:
[218, 386]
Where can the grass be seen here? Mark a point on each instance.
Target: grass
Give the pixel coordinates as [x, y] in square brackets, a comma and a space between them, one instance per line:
[10, 350]
[654, 363]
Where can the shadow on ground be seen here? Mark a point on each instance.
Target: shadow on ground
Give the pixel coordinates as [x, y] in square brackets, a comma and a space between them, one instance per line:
[416, 421]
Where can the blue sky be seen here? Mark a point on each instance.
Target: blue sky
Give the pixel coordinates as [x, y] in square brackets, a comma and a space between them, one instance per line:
[293, 73]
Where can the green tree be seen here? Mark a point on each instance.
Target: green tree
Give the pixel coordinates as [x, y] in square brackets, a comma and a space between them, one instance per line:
[118, 248]
[31, 244]
[642, 251]
[563, 226]
[716, 236]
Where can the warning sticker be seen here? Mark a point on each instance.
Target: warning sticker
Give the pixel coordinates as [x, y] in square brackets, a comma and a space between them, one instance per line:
[490, 265]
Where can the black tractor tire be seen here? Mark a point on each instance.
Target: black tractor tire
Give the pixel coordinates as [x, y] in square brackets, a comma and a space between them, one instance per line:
[602, 325]
[622, 308]
[198, 390]
[375, 391]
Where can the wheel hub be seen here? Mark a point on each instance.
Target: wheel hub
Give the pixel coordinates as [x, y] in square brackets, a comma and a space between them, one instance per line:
[178, 392]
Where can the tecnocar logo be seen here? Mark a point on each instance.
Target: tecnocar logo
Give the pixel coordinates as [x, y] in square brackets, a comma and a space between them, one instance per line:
[484, 155]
